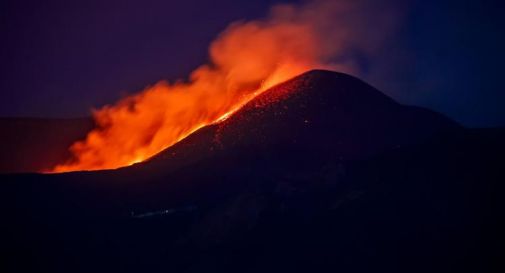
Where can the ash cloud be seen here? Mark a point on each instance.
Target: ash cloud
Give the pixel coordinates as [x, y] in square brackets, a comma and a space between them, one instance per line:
[245, 59]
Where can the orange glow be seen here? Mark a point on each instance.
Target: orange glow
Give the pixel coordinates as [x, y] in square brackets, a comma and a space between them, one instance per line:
[246, 59]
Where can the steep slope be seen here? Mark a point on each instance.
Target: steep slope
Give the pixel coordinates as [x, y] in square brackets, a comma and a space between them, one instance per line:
[349, 119]
[319, 113]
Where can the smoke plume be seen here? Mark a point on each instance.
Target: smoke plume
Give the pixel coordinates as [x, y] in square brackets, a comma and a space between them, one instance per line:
[245, 59]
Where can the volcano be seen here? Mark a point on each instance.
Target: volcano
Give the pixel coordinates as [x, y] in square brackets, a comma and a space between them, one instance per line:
[321, 114]
[321, 173]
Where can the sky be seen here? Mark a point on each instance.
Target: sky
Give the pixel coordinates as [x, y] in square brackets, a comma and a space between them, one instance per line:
[62, 58]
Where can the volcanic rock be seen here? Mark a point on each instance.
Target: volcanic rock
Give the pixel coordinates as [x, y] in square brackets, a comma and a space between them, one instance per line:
[319, 114]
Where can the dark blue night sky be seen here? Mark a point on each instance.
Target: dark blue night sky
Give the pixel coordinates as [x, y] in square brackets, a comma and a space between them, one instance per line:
[61, 58]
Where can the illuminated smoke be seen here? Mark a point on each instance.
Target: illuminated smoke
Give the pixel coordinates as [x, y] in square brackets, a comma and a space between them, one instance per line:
[246, 59]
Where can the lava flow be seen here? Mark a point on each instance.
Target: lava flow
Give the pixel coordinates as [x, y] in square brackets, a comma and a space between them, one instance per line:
[246, 60]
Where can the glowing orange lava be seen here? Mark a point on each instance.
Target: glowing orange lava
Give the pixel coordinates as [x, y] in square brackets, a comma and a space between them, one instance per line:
[246, 59]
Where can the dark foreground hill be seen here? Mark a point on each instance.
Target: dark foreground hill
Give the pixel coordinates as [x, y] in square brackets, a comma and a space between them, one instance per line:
[320, 174]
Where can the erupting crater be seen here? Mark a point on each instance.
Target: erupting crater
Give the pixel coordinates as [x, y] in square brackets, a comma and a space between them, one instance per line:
[140, 126]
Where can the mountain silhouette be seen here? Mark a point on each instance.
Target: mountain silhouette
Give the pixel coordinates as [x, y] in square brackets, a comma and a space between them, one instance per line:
[322, 173]
[321, 113]
[36, 144]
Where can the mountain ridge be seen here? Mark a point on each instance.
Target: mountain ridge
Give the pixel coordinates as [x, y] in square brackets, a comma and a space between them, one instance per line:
[296, 106]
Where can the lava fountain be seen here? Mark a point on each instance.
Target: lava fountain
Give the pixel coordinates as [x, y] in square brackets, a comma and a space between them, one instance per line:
[246, 59]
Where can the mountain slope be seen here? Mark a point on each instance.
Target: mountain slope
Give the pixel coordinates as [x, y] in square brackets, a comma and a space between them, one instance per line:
[322, 113]
[349, 118]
